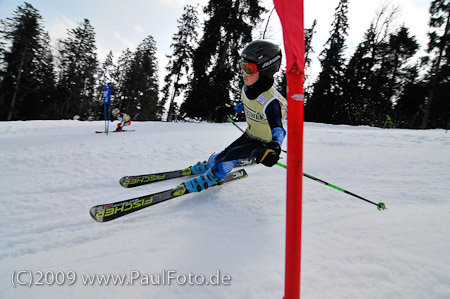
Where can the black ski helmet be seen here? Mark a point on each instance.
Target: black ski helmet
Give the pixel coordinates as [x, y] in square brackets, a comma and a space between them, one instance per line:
[266, 55]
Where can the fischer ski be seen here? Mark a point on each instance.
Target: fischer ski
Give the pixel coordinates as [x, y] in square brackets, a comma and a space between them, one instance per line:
[114, 131]
[111, 211]
[139, 180]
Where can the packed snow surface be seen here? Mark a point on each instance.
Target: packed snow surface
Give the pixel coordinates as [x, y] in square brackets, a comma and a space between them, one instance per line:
[231, 236]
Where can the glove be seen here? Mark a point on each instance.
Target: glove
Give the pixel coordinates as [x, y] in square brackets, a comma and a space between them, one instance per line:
[270, 156]
[278, 135]
[239, 107]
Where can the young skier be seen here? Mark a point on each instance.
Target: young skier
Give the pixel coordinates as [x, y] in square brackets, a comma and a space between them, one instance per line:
[263, 107]
[124, 119]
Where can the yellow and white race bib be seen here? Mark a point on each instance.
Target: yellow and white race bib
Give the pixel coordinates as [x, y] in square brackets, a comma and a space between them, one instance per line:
[255, 113]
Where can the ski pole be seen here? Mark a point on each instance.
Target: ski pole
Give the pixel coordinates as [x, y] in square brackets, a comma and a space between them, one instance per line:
[234, 124]
[380, 206]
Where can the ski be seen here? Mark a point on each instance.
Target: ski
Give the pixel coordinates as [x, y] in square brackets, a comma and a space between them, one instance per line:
[139, 180]
[111, 211]
[98, 132]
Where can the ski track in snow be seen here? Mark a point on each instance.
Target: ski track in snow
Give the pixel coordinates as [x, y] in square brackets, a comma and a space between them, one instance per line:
[54, 171]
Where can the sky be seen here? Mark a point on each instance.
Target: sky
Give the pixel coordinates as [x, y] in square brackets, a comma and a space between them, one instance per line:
[124, 24]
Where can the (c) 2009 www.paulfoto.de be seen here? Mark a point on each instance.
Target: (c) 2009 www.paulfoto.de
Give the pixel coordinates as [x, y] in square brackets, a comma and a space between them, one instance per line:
[31, 278]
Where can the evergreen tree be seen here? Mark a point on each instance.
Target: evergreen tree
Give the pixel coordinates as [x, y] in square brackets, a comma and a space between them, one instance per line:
[180, 62]
[2, 54]
[41, 103]
[389, 75]
[393, 74]
[309, 34]
[402, 47]
[356, 83]
[105, 75]
[140, 88]
[377, 72]
[215, 63]
[327, 95]
[78, 65]
[280, 82]
[120, 76]
[408, 110]
[280, 78]
[437, 105]
[23, 32]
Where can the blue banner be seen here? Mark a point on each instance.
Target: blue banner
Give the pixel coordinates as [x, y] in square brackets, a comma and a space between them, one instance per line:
[107, 94]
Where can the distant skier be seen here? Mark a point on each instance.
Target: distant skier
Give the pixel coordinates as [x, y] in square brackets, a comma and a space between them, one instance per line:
[263, 107]
[388, 123]
[124, 119]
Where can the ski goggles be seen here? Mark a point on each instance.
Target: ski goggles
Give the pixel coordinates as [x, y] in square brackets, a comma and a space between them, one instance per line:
[248, 68]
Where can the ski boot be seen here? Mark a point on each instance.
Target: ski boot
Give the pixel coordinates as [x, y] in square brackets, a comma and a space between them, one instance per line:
[201, 182]
[202, 167]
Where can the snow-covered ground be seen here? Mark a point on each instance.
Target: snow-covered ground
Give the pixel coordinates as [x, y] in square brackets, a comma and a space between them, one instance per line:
[52, 172]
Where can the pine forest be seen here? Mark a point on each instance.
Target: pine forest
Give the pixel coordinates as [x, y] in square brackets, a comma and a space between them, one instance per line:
[382, 83]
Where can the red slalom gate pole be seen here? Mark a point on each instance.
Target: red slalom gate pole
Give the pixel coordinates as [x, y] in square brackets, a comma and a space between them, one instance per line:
[291, 17]
[294, 194]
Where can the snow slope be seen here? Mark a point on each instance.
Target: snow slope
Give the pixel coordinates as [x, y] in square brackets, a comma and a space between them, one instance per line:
[52, 172]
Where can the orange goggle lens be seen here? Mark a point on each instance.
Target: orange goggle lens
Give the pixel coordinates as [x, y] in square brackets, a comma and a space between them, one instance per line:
[248, 68]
